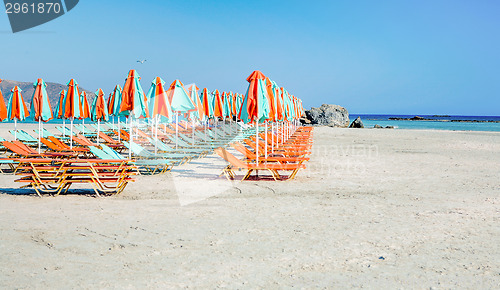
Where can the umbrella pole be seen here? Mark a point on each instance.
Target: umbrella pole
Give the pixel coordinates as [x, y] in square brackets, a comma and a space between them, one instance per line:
[119, 133]
[64, 127]
[71, 134]
[83, 127]
[15, 129]
[265, 141]
[156, 134]
[39, 136]
[272, 137]
[98, 130]
[257, 142]
[192, 137]
[176, 129]
[131, 138]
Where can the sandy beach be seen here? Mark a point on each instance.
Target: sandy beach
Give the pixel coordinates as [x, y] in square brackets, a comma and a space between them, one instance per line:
[374, 209]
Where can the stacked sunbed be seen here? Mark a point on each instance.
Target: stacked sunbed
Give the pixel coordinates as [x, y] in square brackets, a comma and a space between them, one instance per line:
[272, 153]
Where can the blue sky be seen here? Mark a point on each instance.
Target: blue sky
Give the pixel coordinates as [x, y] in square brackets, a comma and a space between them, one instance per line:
[396, 57]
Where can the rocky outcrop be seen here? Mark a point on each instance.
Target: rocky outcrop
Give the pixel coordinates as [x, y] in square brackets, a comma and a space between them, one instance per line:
[327, 115]
[377, 126]
[357, 123]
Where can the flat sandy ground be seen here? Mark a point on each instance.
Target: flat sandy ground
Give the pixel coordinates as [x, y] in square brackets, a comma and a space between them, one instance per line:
[375, 209]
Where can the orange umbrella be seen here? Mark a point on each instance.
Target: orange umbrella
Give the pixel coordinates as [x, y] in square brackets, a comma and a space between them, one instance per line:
[3, 108]
[218, 105]
[16, 109]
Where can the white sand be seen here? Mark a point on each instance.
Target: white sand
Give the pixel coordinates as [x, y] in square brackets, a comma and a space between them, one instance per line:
[375, 208]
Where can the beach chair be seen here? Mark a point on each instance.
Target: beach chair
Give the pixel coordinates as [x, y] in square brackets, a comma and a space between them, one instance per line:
[65, 130]
[18, 149]
[251, 156]
[24, 136]
[273, 168]
[153, 166]
[162, 147]
[143, 153]
[55, 175]
[44, 133]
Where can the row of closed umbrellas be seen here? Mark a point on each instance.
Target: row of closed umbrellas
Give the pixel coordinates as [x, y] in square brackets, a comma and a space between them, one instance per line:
[264, 102]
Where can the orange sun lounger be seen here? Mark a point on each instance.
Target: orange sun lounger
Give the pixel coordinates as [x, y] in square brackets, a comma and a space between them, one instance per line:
[55, 175]
[273, 168]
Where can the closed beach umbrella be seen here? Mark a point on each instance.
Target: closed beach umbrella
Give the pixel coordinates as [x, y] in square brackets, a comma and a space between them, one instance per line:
[40, 107]
[16, 108]
[218, 105]
[133, 98]
[255, 107]
[199, 112]
[99, 110]
[158, 104]
[193, 93]
[133, 101]
[3, 108]
[72, 105]
[226, 105]
[59, 113]
[180, 102]
[60, 105]
[85, 108]
[114, 101]
[207, 103]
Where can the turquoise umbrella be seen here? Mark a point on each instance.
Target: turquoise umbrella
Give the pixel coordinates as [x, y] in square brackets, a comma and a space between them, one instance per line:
[180, 102]
[40, 107]
[133, 102]
[99, 111]
[16, 108]
[255, 107]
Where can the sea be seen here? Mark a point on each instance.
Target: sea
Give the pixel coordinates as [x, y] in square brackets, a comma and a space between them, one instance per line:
[440, 122]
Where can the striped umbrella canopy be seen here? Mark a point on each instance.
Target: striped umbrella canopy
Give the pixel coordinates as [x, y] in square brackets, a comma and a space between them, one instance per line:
[72, 103]
[158, 103]
[226, 105]
[99, 110]
[255, 107]
[239, 102]
[179, 98]
[3, 108]
[271, 100]
[40, 104]
[279, 102]
[133, 97]
[200, 110]
[114, 101]
[16, 108]
[180, 103]
[207, 103]
[40, 107]
[286, 105]
[60, 105]
[85, 106]
[234, 111]
[218, 105]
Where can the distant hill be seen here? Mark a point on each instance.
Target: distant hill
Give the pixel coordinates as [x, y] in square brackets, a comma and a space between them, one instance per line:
[53, 90]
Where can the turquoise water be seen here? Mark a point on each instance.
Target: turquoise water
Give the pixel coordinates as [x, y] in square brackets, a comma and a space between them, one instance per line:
[383, 120]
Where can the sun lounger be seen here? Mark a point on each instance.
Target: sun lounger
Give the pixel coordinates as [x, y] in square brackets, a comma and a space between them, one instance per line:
[55, 175]
[152, 166]
[142, 152]
[273, 168]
